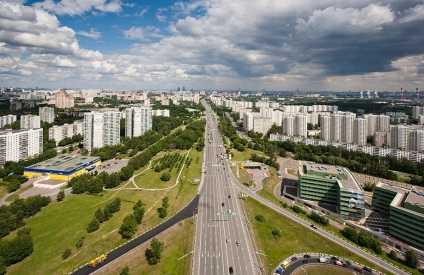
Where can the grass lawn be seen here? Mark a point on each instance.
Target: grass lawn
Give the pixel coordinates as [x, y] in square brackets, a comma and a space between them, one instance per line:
[316, 269]
[178, 241]
[245, 155]
[3, 191]
[60, 225]
[296, 238]
[268, 186]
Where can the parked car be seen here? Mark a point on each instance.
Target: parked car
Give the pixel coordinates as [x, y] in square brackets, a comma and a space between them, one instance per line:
[306, 256]
[348, 263]
[231, 270]
[334, 258]
[294, 259]
[305, 261]
[314, 226]
[358, 269]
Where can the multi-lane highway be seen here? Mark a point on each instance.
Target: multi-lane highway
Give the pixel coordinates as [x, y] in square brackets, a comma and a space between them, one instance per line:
[223, 244]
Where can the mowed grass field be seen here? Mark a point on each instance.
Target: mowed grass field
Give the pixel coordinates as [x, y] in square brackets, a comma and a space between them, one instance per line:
[61, 224]
[178, 242]
[269, 185]
[245, 155]
[296, 238]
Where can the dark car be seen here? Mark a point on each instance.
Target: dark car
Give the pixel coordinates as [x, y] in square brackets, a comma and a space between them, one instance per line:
[367, 268]
[223, 204]
[314, 226]
[306, 256]
[294, 259]
[348, 263]
[334, 258]
[358, 269]
[231, 270]
[305, 261]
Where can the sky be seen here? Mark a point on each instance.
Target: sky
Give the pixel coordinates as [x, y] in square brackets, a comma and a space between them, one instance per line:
[279, 45]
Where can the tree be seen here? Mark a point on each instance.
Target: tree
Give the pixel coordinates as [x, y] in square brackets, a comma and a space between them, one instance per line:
[138, 213]
[2, 266]
[128, 227]
[94, 225]
[277, 233]
[66, 253]
[392, 255]
[411, 259]
[162, 212]
[260, 218]
[125, 271]
[165, 176]
[61, 195]
[153, 254]
[165, 203]
[99, 215]
[80, 242]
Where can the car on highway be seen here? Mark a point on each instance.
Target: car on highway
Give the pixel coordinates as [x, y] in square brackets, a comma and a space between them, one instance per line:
[314, 226]
[294, 259]
[306, 256]
[348, 263]
[334, 258]
[231, 270]
[237, 243]
[321, 255]
[305, 261]
[358, 269]
[223, 204]
[367, 268]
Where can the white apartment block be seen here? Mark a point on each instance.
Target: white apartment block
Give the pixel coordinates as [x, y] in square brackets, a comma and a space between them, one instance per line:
[164, 112]
[307, 109]
[325, 122]
[58, 133]
[288, 125]
[7, 120]
[301, 125]
[248, 121]
[20, 145]
[347, 128]
[101, 129]
[360, 129]
[262, 125]
[46, 114]
[416, 140]
[138, 120]
[399, 136]
[377, 123]
[30, 122]
[416, 111]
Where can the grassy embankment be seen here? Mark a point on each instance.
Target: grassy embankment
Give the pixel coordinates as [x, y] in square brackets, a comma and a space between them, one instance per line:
[61, 225]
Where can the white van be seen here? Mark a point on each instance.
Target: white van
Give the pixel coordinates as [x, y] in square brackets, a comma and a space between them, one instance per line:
[323, 259]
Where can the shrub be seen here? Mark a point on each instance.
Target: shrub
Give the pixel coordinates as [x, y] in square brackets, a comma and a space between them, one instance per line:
[66, 253]
[392, 255]
[298, 209]
[162, 212]
[260, 218]
[165, 176]
[93, 225]
[153, 254]
[60, 195]
[277, 233]
[128, 227]
[80, 242]
[411, 259]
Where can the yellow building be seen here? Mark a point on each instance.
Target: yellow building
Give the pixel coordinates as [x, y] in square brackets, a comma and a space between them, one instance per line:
[63, 167]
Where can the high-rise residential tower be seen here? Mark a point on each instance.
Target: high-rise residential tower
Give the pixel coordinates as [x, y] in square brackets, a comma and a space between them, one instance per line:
[46, 114]
[30, 122]
[138, 121]
[101, 129]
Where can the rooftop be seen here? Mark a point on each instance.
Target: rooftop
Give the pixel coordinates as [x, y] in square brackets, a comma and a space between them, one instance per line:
[63, 162]
[341, 174]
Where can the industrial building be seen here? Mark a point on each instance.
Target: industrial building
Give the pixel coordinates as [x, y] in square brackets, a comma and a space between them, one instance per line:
[334, 185]
[405, 209]
[62, 167]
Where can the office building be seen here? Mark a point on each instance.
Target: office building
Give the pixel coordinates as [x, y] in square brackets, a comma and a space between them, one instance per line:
[20, 145]
[333, 185]
[138, 120]
[46, 114]
[30, 122]
[405, 209]
[101, 129]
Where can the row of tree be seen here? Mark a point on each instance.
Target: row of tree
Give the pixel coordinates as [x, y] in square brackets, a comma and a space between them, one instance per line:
[362, 238]
[12, 216]
[130, 222]
[104, 215]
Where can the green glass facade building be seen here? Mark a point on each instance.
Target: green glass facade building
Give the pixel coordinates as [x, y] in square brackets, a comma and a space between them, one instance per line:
[405, 209]
[334, 185]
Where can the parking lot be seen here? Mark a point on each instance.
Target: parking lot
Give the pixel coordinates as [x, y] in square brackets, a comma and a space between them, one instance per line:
[111, 166]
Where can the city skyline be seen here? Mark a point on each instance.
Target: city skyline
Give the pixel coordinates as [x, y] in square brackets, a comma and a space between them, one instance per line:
[325, 45]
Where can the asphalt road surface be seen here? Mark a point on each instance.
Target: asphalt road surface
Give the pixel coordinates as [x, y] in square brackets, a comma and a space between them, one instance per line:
[222, 239]
[189, 211]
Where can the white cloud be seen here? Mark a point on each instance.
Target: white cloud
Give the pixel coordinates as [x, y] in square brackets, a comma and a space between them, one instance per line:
[91, 34]
[78, 7]
[139, 33]
[413, 14]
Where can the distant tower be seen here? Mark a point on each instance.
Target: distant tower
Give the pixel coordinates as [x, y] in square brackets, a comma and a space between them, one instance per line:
[417, 94]
[361, 94]
[401, 93]
[375, 94]
[368, 94]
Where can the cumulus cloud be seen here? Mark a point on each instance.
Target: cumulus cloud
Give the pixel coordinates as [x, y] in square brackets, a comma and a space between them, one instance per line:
[91, 34]
[413, 14]
[78, 7]
[140, 33]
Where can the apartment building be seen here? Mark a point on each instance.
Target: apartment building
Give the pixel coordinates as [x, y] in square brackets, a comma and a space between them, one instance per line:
[7, 120]
[30, 122]
[164, 112]
[101, 129]
[64, 100]
[46, 114]
[58, 133]
[138, 120]
[20, 144]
